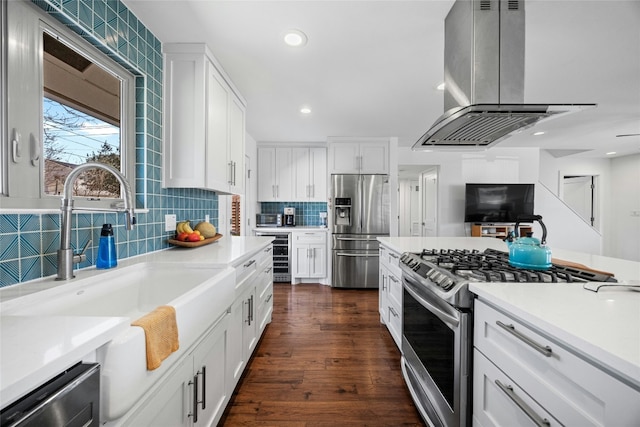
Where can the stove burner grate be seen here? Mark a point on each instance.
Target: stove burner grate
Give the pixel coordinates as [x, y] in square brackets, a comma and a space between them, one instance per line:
[493, 266]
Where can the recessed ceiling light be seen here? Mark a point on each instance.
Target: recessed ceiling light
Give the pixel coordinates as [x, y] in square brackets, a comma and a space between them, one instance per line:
[440, 86]
[611, 153]
[305, 110]
[295, 38]
[538, 133]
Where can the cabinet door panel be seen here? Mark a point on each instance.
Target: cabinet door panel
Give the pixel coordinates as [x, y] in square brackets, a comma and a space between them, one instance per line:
[210, 359]
[217, 170]
[266, 174]
[184, 121]
[170, 405]
[284, 174]
[319, 260]
[301, 186]
[318, 181]
[374, 157]
[236, 146]
[344, 157]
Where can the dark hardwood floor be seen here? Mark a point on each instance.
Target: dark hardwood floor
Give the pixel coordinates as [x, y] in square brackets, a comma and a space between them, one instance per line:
[325, 360]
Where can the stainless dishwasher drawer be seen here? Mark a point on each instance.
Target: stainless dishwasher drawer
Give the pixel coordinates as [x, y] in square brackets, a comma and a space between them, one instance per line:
[72, 399]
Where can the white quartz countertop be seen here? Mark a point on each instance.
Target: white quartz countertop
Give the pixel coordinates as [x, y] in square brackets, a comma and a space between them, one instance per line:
[33, 349]
[603, 327]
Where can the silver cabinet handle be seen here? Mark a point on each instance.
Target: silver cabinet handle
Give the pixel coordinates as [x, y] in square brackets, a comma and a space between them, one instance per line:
[383, 282]
[204, 386]
[395, 314]
[392, 255]
[537, 419]
[394, 279]
[252, 308]
[269, 297]
[249, 263]
[546, 350]
[194, 402]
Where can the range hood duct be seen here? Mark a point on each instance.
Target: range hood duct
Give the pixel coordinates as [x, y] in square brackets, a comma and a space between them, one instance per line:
[484, 78]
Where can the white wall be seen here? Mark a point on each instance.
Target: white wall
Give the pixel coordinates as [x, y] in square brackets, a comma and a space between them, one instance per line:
[456, 168]
[625, 205]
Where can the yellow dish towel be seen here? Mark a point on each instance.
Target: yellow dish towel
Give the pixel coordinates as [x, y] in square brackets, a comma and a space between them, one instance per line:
[161, 334]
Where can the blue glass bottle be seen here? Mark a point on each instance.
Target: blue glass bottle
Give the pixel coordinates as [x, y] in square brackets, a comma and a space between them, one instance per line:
[107, 257]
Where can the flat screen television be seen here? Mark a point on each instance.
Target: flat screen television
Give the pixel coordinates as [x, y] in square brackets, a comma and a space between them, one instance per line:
[491, 203]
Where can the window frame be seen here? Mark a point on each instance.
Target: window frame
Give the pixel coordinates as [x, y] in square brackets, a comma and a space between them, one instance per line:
[49, 24]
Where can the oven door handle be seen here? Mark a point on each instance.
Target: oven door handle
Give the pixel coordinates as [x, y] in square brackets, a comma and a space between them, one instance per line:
[447, 318]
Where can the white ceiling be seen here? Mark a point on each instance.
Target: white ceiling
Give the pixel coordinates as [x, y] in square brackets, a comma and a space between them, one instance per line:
[370, 68]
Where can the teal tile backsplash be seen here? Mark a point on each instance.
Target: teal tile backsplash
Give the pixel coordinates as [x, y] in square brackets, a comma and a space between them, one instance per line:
[307, 213]
[28, 242]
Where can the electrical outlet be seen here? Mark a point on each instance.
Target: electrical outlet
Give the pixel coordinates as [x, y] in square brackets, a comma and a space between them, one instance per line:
[206, 218]
[170, 222]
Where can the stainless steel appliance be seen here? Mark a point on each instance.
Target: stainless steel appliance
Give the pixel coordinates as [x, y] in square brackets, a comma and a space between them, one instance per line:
[269, 220]
[281, 255]
[360, 215]
[70, 399]
[290, 217]
[484, 78]
[437, 326]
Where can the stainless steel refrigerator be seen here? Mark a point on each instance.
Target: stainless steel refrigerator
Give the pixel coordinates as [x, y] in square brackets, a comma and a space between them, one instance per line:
[360, 215]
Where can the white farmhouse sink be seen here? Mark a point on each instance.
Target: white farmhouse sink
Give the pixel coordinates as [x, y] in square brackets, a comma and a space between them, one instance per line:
[199, 293]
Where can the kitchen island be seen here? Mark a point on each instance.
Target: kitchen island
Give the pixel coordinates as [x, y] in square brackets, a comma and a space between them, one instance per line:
[585, 367]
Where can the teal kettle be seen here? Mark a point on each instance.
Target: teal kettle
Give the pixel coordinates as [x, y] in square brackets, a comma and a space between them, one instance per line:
[529, 252]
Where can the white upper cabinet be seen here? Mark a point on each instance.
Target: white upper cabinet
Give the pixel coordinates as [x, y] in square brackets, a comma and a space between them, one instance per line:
[275, 174]
[204, 121]
[292, 174]
[370, 157]
[310, 174]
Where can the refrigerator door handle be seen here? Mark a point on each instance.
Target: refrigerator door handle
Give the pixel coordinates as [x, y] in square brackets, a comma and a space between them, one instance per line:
[363, 255]
[357, 239]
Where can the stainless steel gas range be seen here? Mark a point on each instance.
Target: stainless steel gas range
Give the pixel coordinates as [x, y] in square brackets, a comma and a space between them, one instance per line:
[437, 323]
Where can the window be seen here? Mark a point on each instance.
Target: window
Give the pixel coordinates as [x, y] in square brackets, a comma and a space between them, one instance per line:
[68, 104]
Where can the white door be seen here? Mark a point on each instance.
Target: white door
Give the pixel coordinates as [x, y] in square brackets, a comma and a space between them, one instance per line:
[429, 203]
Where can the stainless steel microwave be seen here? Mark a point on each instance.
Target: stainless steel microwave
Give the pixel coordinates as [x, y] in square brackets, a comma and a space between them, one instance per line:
[269, 220]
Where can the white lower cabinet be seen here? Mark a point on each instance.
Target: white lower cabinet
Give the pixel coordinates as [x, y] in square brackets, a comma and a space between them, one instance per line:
[390, 293]
[524, 376]
[309, 255]
[196, 391]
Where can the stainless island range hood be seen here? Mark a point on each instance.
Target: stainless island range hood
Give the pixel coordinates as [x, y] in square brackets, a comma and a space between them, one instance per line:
[484, 78]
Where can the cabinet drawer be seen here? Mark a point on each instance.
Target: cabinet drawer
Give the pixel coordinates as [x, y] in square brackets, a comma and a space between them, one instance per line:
[307, 237]
[573, 390]
[393, 320]
[395, 289]
[390, 259]
[246, 272]
[498, 401]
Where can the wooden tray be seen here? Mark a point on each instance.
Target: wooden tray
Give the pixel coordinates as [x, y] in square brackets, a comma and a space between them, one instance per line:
[195, 244]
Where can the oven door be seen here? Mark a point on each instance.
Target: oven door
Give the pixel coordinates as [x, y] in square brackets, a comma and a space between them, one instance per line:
[436, 361]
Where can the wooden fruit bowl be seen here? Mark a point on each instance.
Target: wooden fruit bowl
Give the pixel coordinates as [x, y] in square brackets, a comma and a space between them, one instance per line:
[195, 244]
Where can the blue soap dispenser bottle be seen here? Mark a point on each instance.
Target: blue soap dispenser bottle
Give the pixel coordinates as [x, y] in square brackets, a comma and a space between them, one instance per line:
[107, 248]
